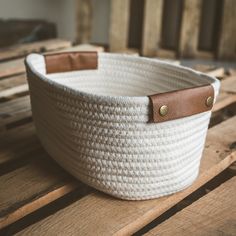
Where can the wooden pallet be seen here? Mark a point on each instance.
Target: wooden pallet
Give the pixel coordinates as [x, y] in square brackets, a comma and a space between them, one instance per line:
[182, 21]
[37, 197]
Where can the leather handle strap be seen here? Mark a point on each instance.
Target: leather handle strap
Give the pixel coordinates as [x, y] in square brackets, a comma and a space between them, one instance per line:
[70, 61]
[181, 103]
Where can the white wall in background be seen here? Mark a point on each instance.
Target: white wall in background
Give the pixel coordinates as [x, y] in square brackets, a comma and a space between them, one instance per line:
[101, 17]
[61, 12]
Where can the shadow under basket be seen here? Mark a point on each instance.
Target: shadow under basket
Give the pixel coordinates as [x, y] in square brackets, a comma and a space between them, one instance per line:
[129, 126]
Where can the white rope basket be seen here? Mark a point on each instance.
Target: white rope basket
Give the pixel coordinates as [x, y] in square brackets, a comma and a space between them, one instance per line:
[97, 124]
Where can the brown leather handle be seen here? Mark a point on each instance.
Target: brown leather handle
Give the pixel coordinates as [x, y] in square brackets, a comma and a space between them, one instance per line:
[70, 61]
[181, 103]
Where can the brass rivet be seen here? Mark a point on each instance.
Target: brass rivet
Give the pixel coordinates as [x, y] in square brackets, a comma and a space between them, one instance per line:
[163, 110]
[209, 101]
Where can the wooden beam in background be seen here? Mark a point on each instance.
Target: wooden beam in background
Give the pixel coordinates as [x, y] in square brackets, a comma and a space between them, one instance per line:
[227, 40]
[84, 20]
[152, 27]
[119, 25]
[189, 33]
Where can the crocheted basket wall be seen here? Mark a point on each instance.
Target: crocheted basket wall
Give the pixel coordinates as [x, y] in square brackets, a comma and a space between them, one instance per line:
[129, 126]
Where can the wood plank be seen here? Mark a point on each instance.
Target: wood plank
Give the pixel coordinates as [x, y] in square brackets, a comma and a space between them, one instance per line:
[13, 81]
[218, 72]
[213, 214]
[208, 55]
[16, 90]
[189, 33]
[18, 143]
[14, 110]
[84, 18]
[119, 25]
[41, 46]
[12, 67]
[32, 186]
[227, 94]
[17, 66]
[229, 85]
[152, 27]
[166, 53]
[86, 216]
[227, 40]
[211, 70]
[223, 100]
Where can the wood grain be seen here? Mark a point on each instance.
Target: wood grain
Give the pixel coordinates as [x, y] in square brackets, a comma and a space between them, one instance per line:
[18, 143]
[224, 100]
[119, 25]
[12, 67]
[227, 94]
[190, 28]
[31, 186]
[87, 216]
[14, 91]
[41, 46]
[213, 214]
[152, 27]
[84, 19]
[229, 85]
[227, 40]
[11, 82]
[15, 110]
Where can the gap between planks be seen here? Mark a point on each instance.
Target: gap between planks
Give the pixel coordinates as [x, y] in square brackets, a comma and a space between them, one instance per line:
[213, 214]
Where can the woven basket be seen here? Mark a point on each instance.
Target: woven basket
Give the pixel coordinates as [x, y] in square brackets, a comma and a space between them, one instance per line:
[129, 126]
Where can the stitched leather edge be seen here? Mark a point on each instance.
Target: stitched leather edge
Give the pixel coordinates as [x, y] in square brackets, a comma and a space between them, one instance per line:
[181, 103]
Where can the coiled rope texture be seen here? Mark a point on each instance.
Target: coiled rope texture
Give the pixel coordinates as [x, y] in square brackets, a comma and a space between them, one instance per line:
[94, 123]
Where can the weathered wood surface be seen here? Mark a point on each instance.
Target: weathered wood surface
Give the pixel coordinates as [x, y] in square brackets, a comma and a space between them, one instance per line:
[227, 40]
[119, 25]
[41, 46]
[229, 85]
[197, 34]
[131, 216]
[152, 27]
[190, 28]
[84, 16]
[12, 82]
[213, 214]
[13, 67]
[32, 186]
[227, 95]
[18, 143]
[14, 110]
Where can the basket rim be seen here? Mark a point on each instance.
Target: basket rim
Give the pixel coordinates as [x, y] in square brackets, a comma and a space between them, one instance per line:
[116, 98]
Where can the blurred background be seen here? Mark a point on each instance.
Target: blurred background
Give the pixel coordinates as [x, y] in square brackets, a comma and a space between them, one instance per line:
[202, 29]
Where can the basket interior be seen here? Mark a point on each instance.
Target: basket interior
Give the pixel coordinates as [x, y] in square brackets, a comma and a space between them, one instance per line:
[122, 75]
